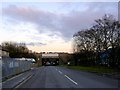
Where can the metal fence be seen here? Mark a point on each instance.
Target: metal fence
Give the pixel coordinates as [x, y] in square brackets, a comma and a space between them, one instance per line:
[11, 67]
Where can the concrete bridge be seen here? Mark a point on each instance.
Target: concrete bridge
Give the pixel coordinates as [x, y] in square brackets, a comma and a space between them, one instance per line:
[57, 58]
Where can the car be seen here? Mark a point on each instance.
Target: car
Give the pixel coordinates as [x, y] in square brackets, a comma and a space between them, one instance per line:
[47, 64]
[54, 64]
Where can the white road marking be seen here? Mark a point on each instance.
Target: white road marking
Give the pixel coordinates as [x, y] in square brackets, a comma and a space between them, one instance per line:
[56, 69]
[23, 82]
[60, 72]
[71, 80]
[12, 78]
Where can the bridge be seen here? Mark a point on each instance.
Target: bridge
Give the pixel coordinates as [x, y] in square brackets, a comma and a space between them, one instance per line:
[57, 58]
[53, 59]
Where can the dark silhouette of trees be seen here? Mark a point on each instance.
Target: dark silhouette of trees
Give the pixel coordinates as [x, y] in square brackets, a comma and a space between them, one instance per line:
[18, 50]
[100, 44]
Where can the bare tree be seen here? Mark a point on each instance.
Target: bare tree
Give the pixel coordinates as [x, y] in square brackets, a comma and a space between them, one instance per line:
[103, 37]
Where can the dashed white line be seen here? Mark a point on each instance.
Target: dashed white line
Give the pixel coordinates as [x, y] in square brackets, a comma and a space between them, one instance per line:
[60, 72]
[56, 69]
[71, 80]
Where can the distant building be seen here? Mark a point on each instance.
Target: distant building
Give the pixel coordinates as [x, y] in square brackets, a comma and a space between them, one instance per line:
[3, 52]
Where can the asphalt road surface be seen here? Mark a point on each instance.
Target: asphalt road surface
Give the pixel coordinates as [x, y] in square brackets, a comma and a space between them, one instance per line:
[62, 77]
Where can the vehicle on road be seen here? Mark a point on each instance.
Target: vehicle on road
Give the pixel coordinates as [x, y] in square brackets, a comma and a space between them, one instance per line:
[47, 64]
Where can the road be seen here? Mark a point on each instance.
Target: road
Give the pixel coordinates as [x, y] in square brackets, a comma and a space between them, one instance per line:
[62, 77]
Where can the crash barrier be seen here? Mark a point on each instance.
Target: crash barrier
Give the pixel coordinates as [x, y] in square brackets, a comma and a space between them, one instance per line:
[12, 67]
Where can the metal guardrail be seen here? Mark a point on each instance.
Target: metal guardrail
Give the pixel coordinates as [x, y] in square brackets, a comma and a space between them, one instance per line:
[11, 67]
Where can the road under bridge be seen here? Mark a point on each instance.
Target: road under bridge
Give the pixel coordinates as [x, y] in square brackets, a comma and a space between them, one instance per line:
[50, 59]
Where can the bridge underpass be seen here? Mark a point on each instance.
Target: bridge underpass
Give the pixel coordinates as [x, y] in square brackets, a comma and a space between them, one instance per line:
[50, 59]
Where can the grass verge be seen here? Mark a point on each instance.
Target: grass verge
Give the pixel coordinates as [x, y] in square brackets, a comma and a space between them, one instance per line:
[94, 69]
[62, 65]
[36, 66]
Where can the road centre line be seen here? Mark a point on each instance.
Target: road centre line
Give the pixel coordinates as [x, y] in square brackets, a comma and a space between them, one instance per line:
[60, 72]
[71, 80]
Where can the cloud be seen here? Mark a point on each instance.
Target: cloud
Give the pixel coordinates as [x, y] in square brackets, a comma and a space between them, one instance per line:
[62, 24]
[30, 44]
[36, 44]
[41, 44]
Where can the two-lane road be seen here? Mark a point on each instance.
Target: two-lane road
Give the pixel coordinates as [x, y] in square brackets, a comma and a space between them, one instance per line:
[62, 77]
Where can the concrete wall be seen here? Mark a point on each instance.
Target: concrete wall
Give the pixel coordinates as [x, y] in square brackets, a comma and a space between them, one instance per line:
[63, 58]
[11, 67]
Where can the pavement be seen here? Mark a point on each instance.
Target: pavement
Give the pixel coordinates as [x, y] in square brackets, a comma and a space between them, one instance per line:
[60, 77]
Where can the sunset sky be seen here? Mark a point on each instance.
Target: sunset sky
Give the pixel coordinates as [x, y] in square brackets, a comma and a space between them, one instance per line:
[49, 26]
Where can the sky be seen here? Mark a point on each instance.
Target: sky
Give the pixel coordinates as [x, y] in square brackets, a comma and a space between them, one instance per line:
[50, 26]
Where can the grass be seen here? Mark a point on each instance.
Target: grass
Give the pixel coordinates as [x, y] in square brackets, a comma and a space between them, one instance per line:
[94, 69]
[62, 65]
[37, 66]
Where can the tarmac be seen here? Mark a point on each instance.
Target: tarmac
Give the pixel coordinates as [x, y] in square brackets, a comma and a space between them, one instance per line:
[47, 75]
